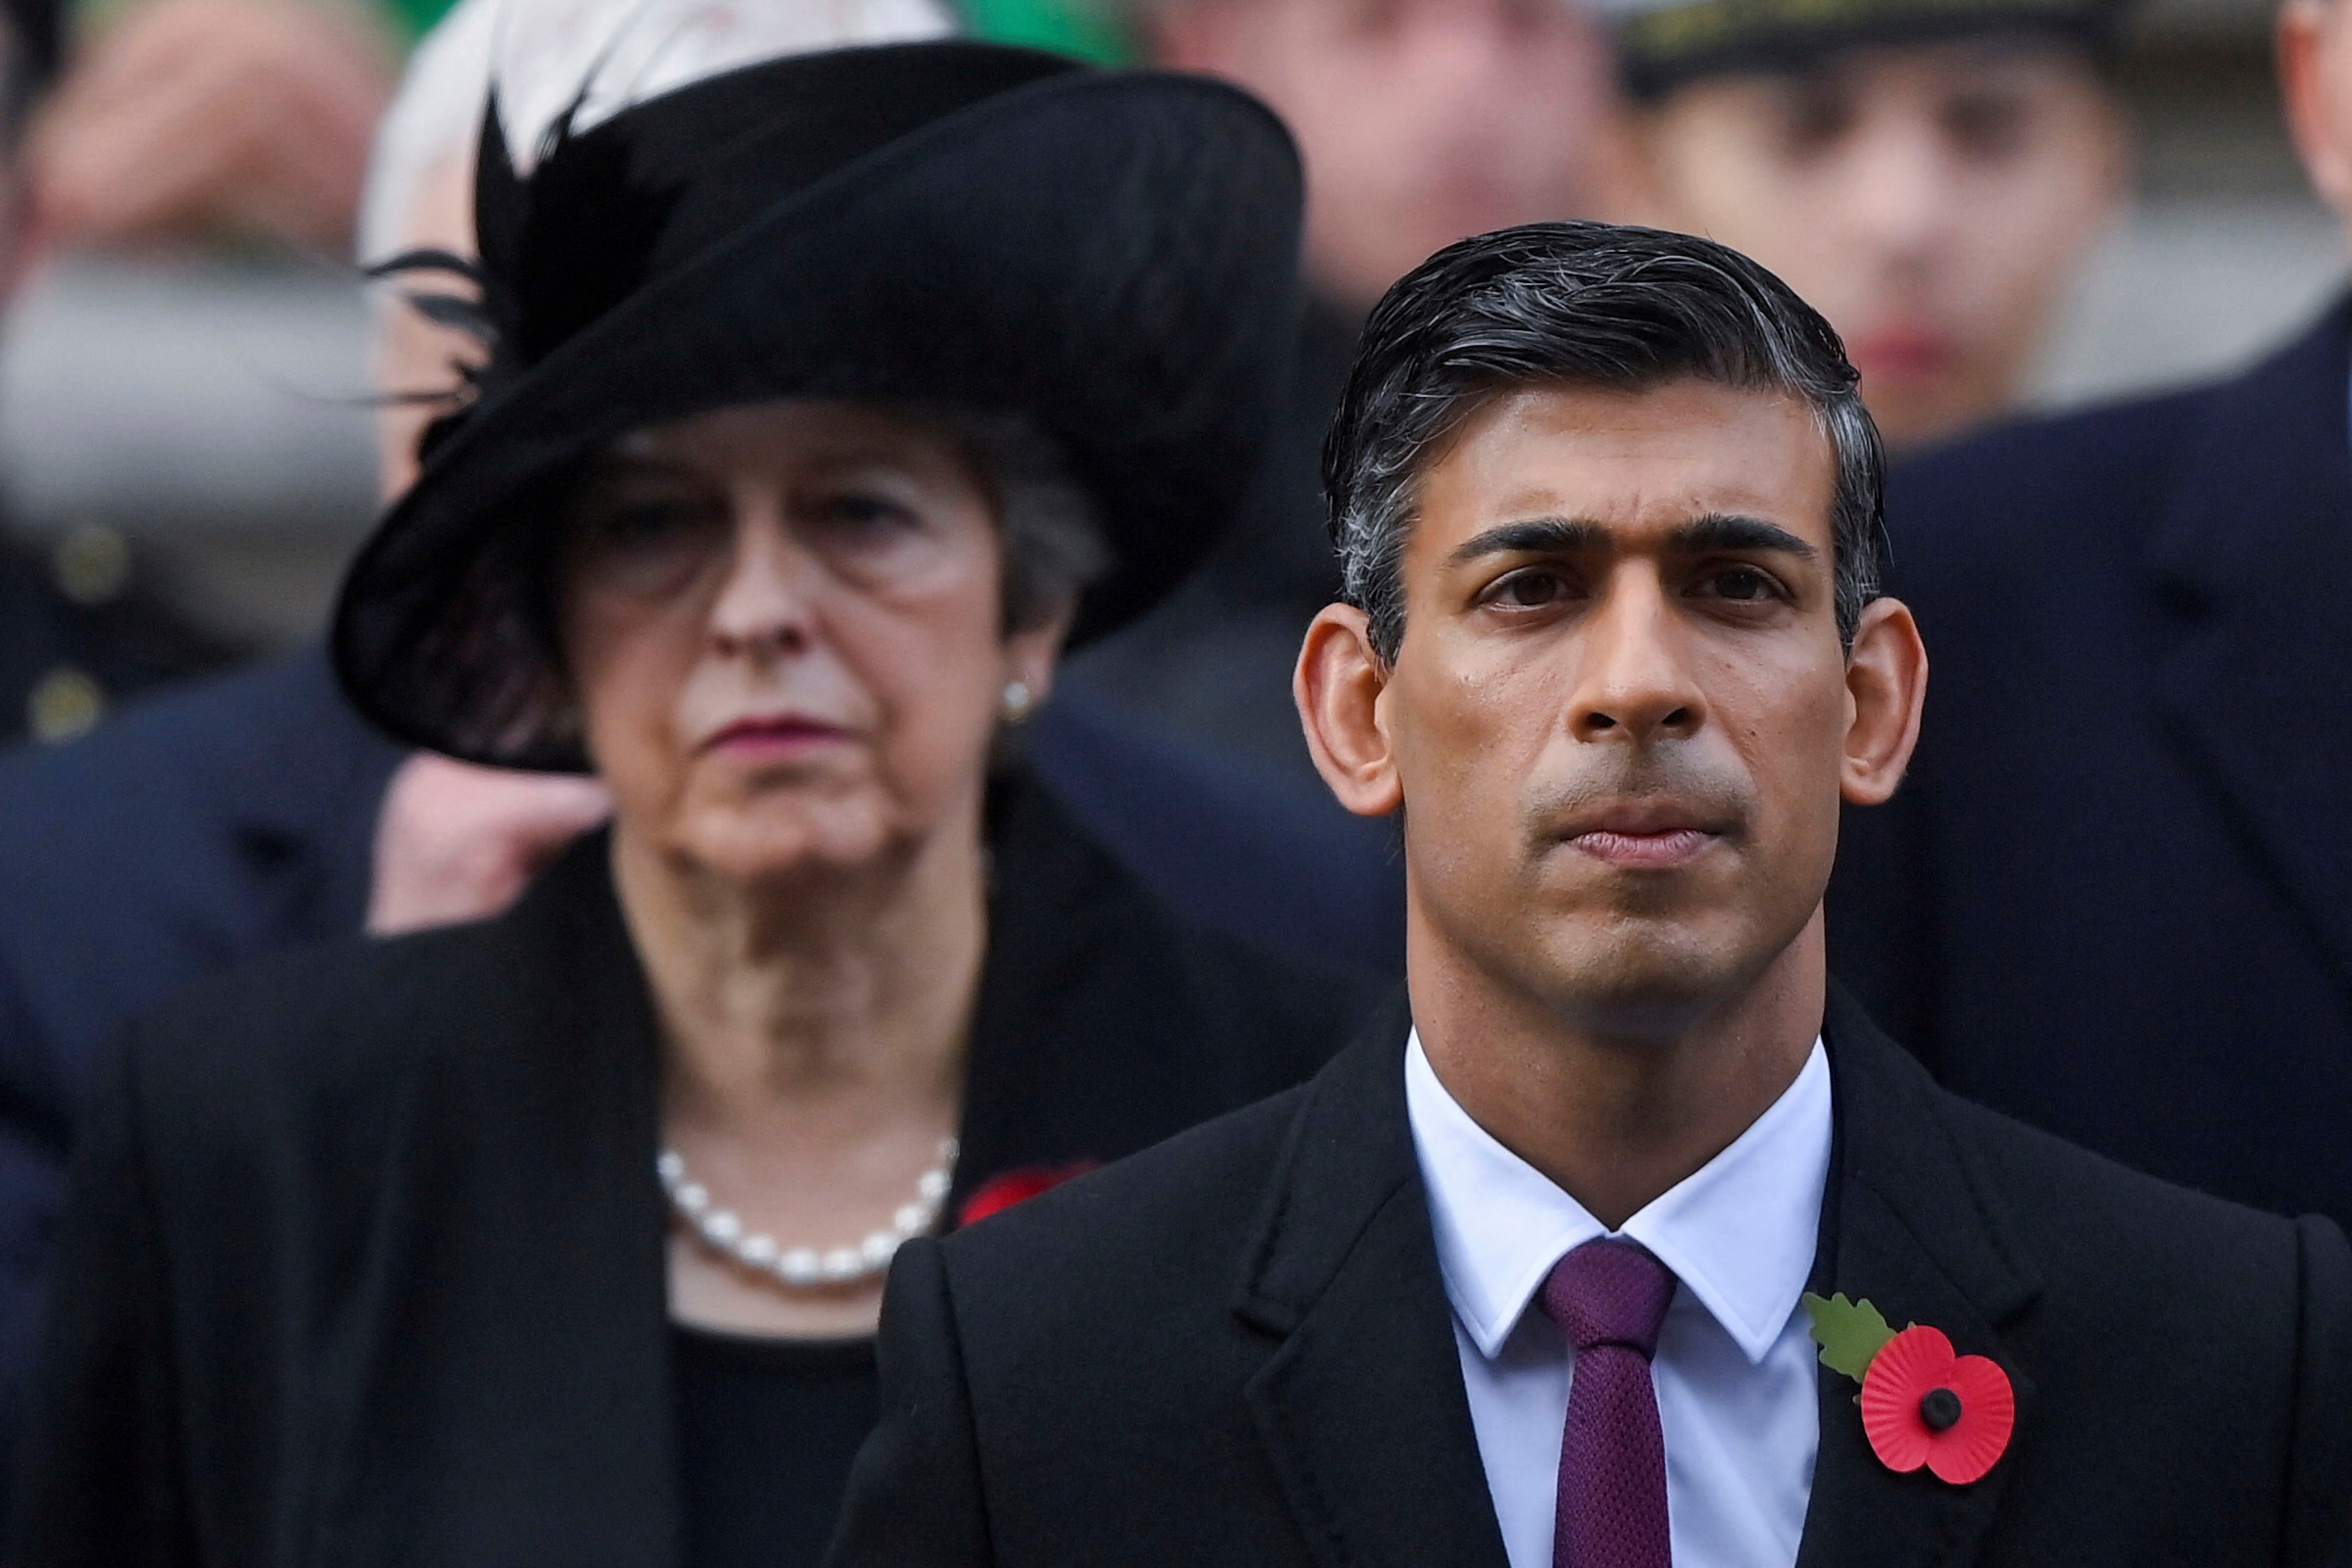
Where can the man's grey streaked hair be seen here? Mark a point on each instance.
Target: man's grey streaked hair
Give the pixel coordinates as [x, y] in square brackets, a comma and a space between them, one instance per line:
[1583, 304]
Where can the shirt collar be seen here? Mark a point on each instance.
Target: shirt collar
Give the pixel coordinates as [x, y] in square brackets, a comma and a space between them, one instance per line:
[1740, 1232]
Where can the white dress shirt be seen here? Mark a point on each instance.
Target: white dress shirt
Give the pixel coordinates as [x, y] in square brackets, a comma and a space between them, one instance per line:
[1735, 1369]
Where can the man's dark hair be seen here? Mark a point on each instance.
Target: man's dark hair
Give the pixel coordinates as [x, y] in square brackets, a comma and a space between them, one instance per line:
[1578, 304]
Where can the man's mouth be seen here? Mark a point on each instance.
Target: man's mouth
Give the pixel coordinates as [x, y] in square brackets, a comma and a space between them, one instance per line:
[1643, 835]
[1660, 849]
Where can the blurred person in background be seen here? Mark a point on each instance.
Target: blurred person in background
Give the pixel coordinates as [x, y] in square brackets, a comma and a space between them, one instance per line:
[1931, 177]
[2115, 896]
[1420, 122]
[194, 122]
[750, 513]
[79, 629]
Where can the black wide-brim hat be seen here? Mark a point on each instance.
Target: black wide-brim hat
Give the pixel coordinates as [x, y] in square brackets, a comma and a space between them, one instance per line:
[1113, 255]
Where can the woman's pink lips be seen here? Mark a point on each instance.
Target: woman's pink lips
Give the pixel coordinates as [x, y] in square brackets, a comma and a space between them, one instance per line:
[770, 736]
[1669, 847]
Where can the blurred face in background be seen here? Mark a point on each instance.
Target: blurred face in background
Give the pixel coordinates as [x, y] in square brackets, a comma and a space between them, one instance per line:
[20, 248]
[1934, 202]
[2314, 52]
[1422, 122]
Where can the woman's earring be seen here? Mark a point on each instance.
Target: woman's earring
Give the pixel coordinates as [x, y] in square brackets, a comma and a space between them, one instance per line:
[1017, 701]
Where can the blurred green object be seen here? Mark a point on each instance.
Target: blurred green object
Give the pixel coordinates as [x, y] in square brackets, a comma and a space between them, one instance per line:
[1082, 27]
[416, 17]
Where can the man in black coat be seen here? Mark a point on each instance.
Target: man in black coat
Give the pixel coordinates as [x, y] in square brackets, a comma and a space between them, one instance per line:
[2115, 898]
[1536, 1272]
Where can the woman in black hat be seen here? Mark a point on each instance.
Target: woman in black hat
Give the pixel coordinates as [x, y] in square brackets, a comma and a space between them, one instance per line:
[826, 399]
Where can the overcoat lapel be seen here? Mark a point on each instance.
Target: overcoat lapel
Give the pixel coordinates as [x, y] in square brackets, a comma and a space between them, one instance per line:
[2252, 557]
[1908, 1225]
[1361, 1407]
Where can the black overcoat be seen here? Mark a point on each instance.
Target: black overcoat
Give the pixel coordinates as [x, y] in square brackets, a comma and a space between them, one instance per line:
[1237, 1349]
[364, 1262]
[2114, 897]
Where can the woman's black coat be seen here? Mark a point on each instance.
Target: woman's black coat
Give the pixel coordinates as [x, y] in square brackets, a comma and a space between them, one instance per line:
[364, 1261]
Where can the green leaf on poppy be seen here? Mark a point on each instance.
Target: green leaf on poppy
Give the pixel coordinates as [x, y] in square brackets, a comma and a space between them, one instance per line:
[1851, 1334]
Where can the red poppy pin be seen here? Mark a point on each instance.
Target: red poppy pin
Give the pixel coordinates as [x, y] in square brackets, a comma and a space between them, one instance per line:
[1922, 1404]
[1000, 1192]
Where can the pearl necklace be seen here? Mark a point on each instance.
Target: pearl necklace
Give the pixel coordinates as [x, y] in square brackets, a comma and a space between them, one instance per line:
[802, 1267]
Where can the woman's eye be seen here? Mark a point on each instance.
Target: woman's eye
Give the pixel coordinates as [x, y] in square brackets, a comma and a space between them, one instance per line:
[1529, 589]
[636, 524]
[864, 512]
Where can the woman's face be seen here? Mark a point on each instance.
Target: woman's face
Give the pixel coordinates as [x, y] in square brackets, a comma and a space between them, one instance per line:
[784, 623]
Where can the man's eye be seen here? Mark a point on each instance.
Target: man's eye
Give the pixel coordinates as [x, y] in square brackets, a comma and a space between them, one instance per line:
[1530, 590]
[1815, 118]
[1740, 582]
[1990, 127]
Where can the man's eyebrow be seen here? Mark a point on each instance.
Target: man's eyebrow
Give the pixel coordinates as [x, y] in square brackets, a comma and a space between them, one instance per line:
[1530, 536]
[1731, 530]
[1570, 536]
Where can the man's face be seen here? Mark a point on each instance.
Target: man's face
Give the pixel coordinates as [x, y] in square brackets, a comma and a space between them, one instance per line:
[1422, 122]
[1619, 714]
[1934, 202]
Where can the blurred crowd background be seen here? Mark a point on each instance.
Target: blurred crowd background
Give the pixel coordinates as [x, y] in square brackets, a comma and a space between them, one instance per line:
[183, 384]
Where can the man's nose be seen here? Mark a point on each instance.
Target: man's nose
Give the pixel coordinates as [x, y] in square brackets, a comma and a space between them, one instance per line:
[1902, 196]
[1458, 47]
[1633, 682]
[763, 604]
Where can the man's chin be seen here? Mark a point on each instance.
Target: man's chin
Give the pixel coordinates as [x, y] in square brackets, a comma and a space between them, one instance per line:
[1637, 983]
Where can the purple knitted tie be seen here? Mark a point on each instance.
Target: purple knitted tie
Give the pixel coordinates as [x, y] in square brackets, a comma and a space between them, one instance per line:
[1608, 1298]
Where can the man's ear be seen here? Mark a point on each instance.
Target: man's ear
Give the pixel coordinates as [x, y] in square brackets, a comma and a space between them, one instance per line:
[1886, 688]
[1338, 685]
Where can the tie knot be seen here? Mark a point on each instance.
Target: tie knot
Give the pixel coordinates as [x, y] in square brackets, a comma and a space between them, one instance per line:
[1609, 1293]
